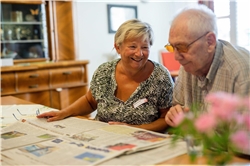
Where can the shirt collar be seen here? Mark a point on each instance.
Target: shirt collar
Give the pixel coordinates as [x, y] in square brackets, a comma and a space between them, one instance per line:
[216, 61]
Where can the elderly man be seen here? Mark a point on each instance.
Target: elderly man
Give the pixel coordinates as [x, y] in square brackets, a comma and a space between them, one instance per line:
[207, 63]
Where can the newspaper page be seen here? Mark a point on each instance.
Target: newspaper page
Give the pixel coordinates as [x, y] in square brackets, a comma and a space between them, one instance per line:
[20, 133]
[123, 138]
[12, 113]
[149, 157]
[58, 151]
[68, 126]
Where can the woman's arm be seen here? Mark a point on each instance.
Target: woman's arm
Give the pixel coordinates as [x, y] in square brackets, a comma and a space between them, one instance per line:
[158, 125]
[83, 106]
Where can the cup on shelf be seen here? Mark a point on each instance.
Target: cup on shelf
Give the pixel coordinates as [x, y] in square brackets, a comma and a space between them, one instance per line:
[9, 34]
[17, 16]
[18, 33]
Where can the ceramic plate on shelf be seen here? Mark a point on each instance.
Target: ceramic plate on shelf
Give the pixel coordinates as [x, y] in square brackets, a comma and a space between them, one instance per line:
[29, 17]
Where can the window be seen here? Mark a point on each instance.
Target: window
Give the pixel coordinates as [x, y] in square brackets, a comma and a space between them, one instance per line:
[233, 21]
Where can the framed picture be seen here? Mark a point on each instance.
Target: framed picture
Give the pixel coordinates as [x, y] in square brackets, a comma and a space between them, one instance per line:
[117, 14]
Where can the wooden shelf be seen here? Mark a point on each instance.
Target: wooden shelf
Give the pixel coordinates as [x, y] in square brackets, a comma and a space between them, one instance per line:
[22, 23]
[22, 41]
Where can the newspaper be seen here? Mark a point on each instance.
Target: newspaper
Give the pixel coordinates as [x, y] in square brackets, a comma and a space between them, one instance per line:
[96, 133]
[78, 141]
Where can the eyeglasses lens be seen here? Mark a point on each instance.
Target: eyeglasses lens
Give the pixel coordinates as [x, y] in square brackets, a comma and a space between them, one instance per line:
[169, 48]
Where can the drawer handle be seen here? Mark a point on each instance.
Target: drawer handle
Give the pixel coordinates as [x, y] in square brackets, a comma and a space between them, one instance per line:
[67, 73]
[33, 86]
[34, 75]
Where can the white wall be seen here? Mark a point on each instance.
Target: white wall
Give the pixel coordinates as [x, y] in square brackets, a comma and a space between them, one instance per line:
[94, 43]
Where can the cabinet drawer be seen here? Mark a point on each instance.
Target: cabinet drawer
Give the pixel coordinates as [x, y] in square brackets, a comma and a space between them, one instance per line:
[66, 77]
[32, 80]
[8, 83]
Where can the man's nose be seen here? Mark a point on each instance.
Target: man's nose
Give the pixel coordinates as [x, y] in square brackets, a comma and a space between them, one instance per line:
[177, 55]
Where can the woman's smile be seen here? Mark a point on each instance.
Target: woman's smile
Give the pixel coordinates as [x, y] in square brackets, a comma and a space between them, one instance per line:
[137, 60]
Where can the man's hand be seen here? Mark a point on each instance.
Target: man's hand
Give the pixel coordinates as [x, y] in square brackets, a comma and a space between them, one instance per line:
[173, 115]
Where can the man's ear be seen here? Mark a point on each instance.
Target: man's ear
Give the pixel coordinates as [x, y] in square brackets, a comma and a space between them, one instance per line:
[117, 48]
[211, 41]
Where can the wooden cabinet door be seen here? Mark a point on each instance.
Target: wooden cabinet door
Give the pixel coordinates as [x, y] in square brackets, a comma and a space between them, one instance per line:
[60, 30]
[36, 80]
[8, 83]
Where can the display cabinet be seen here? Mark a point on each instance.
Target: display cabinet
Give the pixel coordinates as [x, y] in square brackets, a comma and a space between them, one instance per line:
[23, 31]
[37, 30]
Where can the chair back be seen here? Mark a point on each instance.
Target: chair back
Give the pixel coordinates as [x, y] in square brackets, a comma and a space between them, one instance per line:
[167, 59]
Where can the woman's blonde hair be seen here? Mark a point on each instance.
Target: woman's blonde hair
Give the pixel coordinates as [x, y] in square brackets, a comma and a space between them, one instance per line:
[133, 28]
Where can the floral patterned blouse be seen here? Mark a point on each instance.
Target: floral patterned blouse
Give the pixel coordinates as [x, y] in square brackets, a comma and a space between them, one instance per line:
[143, 105]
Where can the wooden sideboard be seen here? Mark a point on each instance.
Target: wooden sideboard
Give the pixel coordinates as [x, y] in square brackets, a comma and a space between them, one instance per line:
[54, 84]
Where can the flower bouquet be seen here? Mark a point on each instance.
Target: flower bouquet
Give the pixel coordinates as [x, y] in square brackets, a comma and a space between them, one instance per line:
[223, 129]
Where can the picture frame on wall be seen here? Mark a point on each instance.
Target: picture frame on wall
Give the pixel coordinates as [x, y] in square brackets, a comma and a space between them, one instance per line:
[117, 14]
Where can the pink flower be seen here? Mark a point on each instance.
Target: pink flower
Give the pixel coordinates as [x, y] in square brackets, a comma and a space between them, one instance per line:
[221, 113]
[205, 123]
[223, 104]
[240, 140]
[239, 119]
[224, 100]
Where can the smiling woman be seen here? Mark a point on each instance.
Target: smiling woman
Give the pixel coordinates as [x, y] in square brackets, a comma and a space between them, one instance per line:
[130, 90]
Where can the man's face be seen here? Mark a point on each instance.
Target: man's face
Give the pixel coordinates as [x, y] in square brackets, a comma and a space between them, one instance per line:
[190, 50]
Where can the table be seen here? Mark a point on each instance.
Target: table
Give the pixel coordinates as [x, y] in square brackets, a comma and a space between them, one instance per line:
[180, 160]
[9, 100]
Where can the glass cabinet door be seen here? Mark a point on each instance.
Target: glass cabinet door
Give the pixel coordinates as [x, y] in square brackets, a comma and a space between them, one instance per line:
[23, 31]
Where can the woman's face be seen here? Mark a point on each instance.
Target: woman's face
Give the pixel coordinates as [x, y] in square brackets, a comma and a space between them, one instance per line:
[134, 52]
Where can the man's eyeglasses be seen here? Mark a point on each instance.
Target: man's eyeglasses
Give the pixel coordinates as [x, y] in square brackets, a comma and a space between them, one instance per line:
[182, 48]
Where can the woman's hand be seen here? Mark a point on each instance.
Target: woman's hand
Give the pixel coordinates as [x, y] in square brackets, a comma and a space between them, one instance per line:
[52, 115]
